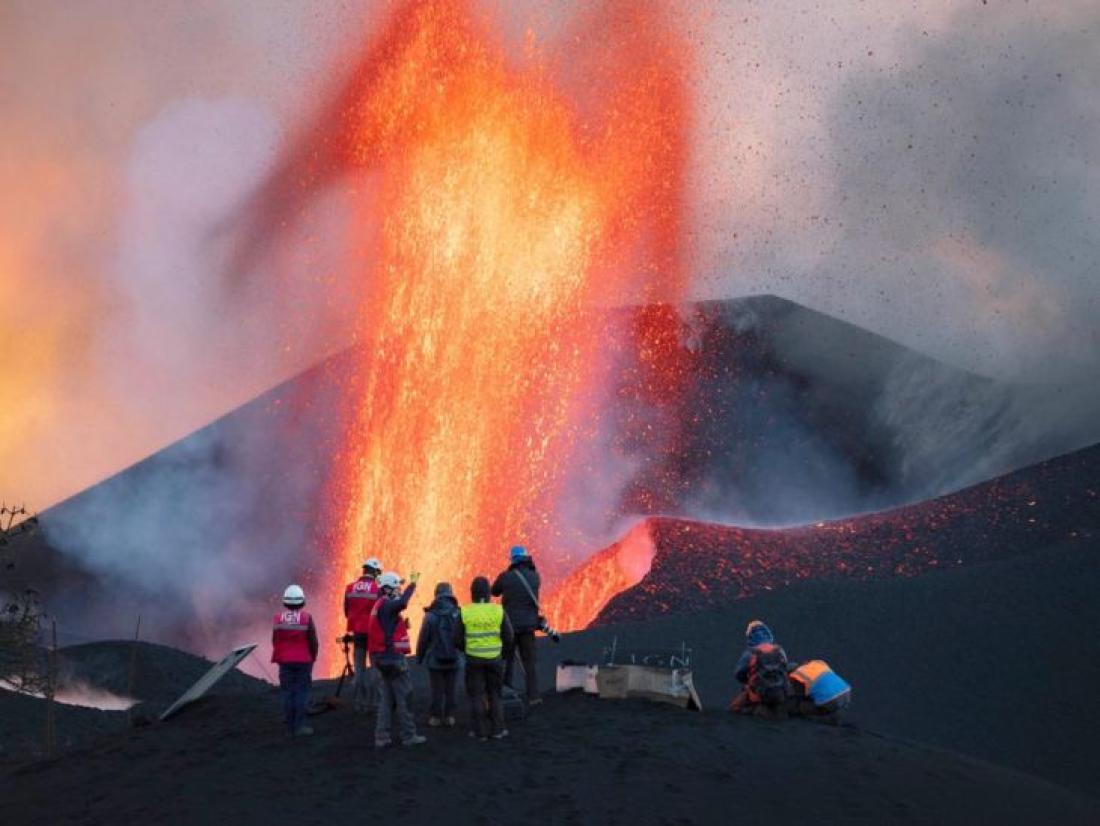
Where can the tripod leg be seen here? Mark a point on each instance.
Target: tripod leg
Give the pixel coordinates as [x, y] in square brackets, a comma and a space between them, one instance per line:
[343, 675]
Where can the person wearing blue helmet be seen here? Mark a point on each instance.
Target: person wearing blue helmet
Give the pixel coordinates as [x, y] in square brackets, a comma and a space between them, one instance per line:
[762, 671]
[518, 588]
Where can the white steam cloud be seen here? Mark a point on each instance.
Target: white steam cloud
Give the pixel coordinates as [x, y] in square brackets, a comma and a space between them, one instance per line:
[218, 522]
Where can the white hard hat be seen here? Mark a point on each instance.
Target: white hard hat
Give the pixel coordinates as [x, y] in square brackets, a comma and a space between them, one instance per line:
[294, 596]
[373, 563]
[389, 580]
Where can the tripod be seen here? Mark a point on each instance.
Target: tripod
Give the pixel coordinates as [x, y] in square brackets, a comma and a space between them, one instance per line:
[329, 703]
[345, 643]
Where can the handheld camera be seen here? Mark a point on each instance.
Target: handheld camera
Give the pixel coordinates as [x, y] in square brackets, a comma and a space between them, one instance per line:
[545, 628]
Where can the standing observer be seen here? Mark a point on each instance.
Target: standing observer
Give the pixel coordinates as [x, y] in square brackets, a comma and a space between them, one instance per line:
[518, 588]
[359, 599]
[483, 633]
[435, 648]
[389, 649]
[294, 649]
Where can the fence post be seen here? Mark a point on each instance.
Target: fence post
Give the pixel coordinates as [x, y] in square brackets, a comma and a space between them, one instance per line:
[51, 690]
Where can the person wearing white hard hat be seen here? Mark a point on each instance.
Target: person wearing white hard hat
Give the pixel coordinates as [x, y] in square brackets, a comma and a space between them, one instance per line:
[389, 650]
[294, 649]
[359, 599]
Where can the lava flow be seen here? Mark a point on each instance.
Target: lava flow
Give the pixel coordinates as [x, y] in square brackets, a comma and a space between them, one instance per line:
[667, 565]
[501, 210]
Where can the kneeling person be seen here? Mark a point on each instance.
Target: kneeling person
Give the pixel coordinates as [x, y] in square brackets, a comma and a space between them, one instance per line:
[762, 670]
[819, 691]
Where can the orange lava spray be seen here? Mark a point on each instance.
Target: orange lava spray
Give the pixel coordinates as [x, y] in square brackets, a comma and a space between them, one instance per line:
[503, 211]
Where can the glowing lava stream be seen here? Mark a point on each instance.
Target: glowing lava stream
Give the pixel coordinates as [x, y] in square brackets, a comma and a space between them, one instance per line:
[505, 213]
[600, 578]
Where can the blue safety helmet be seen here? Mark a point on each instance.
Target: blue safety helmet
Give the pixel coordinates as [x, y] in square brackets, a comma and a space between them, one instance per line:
[518, 552]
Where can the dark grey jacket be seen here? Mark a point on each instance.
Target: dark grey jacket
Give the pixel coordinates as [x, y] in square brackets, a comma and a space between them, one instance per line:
[521, 609]
[427, 641]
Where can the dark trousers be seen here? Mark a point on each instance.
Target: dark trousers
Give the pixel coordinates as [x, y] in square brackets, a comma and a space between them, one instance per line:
[443, 691]
[295, 681]
[483, 683]
[525, 647]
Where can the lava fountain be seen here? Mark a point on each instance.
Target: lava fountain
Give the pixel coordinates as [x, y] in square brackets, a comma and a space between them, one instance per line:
[501, 210]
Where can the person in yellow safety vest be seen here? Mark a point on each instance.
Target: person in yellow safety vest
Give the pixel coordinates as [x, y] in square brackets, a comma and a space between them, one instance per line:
[483, 632]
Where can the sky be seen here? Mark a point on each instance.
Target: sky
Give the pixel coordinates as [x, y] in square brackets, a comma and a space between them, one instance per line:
[923, 169]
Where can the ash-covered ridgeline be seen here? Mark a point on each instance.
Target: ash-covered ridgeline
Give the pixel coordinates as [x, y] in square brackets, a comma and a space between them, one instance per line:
[671, 565]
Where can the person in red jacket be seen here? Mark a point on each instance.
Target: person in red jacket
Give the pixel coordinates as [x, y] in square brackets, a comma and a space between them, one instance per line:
[294, 648]
[389, 651]
[359, 599]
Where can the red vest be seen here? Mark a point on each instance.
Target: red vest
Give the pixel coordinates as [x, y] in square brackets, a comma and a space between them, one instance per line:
[359, 599]
[376, 637]
[291, 638]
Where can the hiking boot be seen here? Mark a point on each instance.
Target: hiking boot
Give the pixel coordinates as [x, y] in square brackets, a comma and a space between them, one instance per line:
[500, 735]
[304, 730]
[449, 722]
[382, 742]
[415, 740]
[434, 722]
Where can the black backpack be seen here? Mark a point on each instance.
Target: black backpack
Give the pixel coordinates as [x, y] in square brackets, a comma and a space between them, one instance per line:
[768, 680]
[444, 648]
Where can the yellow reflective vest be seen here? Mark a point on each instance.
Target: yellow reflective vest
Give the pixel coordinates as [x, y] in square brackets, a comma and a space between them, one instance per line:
[483, 621]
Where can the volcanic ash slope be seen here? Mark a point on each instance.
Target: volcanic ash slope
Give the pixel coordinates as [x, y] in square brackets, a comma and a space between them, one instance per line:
[577, 760]
[995, 659]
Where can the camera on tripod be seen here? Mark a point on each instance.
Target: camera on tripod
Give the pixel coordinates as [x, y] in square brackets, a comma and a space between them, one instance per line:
[545, 628]
[345, 640]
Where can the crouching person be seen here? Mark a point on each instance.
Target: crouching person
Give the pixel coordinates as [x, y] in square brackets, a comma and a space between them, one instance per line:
[483, 632]
[819, 691]
[435, 648]
[389, 648]
[294, 649]
[762, 671]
